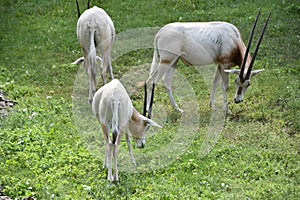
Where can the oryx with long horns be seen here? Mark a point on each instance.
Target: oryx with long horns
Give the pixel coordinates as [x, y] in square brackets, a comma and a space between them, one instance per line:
[204, 43]
[114, 110]
[95, 33]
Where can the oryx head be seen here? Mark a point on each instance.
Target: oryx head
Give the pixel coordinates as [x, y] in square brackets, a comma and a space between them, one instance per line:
[243, 79]
[140, 124]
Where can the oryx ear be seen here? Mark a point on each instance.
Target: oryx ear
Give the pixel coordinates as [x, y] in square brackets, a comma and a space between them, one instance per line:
[253, 73]
[99, 59]
[150, 122]
[78, 61]
[233, 71]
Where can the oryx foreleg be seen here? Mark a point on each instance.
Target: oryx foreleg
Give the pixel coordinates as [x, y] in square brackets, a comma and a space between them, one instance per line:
[216, 83]
[220, 75]
[130, 150]
[224, 76]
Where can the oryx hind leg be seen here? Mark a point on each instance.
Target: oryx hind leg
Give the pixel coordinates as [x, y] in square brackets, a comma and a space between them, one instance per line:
[130, 150]
[155, 78]
[112, 148]
[167, 80]
[106, 66]
[106, 137]
[102, 47]
[92, 85]
[165, 70]
[109, 68]
[115, 155]
[109, 148]
[103, 68]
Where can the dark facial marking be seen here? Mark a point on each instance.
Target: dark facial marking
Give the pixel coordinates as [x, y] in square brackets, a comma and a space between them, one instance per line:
[239, 90]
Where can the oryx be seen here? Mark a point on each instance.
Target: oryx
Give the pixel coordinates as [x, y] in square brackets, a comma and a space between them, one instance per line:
[203, 43]
[96, 33]
[114, 110]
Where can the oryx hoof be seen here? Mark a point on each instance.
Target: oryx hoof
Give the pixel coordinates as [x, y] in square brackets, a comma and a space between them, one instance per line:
[228, 112]
[104, 166]
[134, 163]
[179, 110]
[116, 180]
[211, 104]
[110, 178]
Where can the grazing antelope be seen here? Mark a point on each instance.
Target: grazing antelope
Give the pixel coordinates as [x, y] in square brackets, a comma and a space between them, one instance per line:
[203, 43]
[96, 33]
[114, 110]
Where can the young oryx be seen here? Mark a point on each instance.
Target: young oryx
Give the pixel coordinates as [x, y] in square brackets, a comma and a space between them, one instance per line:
[95, 32]
[114, 110]
[202, 44]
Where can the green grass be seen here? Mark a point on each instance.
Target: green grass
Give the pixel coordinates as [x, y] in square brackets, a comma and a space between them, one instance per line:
[43, 153]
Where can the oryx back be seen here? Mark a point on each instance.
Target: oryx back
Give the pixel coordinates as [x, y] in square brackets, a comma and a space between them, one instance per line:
[94, 28]
[112, 106]
[199, 43]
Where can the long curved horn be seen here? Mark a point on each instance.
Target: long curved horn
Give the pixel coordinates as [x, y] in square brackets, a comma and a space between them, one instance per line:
[78, 10]
[88, 4]
[248, 47]
[151, 101]
[257, 47]
[145, 100]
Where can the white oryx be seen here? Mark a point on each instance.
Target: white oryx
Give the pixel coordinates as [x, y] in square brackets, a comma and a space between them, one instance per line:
[203, 43]
[96, 33]
[114, 110]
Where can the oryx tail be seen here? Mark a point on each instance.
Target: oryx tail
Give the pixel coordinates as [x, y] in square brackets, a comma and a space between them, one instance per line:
[91, 57]
[155, 60]
[115, 120]
[155, 73]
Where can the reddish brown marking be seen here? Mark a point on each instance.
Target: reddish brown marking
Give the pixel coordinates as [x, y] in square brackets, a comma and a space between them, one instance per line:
[166, 62]
[234, 58]
[228, 59]
[238, 58]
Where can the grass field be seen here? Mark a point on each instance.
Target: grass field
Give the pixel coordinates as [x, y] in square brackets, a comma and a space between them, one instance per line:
[43, 148]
